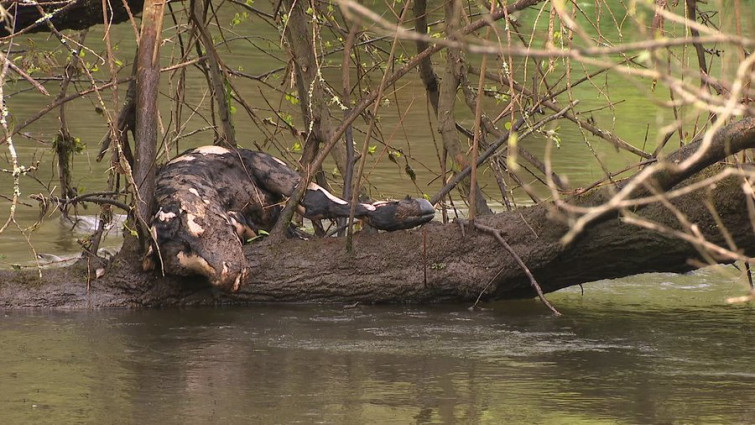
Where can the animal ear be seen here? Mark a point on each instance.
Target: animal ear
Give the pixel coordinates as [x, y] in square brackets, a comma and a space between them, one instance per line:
[408, 198]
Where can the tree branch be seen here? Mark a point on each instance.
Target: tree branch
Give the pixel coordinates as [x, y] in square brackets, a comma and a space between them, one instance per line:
[667, 173]
[76, 14]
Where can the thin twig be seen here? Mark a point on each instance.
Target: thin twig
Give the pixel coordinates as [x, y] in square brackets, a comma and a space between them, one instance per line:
[87, 197]
[495, 146]
[497, 234]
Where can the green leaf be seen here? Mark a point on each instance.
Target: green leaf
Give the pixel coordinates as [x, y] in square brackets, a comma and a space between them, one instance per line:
[644, 57]
[260, 234]
[410, 172]
[554, 136]
[292, 98]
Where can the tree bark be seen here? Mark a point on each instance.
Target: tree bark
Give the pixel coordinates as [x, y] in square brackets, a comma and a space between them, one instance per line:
[446, 106]
[425, 67]
[77, 14]
[145, 135]
[215, 75]
[436, 263]
[391, 268]
[313, 98]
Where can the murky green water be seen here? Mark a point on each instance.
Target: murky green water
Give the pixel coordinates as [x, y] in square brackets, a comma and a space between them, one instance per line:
[646, 349]
[654, 349]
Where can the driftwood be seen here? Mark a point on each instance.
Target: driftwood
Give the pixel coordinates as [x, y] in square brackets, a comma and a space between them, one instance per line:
[26, 17]
[436, 263]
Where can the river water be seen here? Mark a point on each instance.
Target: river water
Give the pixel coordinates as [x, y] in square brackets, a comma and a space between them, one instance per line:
[653, 348]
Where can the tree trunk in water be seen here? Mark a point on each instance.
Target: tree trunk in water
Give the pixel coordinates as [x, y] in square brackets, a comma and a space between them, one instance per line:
[437, 263]
[145, 136]
[443, 263]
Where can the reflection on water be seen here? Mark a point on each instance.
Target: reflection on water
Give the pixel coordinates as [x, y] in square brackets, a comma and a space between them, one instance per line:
[656, 349]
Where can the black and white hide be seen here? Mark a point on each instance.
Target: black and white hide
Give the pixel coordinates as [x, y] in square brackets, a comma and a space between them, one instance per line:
[210, 200]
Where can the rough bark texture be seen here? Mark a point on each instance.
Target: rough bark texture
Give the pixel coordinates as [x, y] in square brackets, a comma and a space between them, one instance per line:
[77, 15]
[436, 263]
[145, 135]
[390, 268]
[313, 98]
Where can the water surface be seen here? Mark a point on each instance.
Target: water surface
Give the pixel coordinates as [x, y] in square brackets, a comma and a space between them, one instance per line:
[651, 349]
[646, 349]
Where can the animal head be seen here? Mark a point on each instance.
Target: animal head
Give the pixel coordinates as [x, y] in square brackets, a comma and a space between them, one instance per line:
[402, 214]
[188, 245]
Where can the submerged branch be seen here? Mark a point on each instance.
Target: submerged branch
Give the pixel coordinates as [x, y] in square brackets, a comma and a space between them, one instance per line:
[95, 198]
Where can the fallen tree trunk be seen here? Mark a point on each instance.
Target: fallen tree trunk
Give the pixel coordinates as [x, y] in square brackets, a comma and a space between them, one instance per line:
[446, 263]
[437, 263]
[28, 17]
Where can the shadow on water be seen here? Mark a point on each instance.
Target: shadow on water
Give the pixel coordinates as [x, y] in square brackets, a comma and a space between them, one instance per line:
[614, 357]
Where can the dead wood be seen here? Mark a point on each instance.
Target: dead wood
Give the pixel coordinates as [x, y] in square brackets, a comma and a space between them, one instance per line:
[437, 263]
[145, 134]
[390, 268]
[26, 17]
